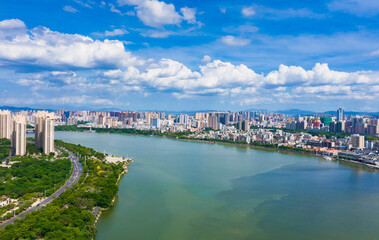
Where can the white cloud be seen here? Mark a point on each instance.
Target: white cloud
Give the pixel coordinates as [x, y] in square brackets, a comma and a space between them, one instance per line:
[85, 3]
[363, 8]
[114, 9]
[154, 13]
[272, 13]
[11, 24]
[70, 9]
[319, 75]
[235, 41]
[113, 33]
[206, 59]
[41, 46]
[248, 11]
[241, 84]
[375, 53]
[189, 14]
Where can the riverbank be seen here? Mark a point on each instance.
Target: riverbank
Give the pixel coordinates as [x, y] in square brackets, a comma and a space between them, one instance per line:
[115, 160]
[183, 137]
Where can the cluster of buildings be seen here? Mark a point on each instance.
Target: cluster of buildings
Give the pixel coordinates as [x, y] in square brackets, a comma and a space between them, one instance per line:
[245, 126]
[14, 127]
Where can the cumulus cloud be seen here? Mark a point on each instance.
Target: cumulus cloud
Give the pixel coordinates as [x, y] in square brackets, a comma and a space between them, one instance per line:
[206, 59]
[189, 14]
[235, 41]
[41, 46]
[154, 13]
[85, 58]
[11, 24]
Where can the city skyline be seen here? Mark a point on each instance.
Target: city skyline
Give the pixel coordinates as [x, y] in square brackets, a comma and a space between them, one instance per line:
[177, 56]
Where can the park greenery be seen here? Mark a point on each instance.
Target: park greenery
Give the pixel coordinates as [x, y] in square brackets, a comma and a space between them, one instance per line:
[32, 175]
[5, 149]
[131, 131]
[70, 215]
[29, 177]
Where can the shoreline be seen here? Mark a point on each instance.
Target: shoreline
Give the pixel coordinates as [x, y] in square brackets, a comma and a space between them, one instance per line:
[257, 147]
[113, 159]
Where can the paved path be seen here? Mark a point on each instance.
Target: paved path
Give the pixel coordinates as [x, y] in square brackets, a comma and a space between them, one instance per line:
[75, 176]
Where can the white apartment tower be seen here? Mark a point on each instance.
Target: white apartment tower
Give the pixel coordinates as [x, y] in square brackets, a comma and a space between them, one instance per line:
[5, 124]
[44, 131]
[18, 139]
[357, 141]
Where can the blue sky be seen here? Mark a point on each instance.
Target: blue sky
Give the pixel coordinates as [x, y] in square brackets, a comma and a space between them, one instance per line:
[190, 55]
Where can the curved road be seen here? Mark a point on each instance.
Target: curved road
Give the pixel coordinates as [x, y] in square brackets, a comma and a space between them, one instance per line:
[74, 178]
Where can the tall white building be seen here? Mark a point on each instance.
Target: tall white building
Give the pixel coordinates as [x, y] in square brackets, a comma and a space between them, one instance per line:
[5, 124]
[357, 141]
[44, 131]
[18, 140]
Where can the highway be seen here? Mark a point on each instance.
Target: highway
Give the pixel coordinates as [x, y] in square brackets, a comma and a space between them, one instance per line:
[74, 178]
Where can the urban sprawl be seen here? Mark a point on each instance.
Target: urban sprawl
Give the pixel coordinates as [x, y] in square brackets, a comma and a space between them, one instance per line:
[347, 137]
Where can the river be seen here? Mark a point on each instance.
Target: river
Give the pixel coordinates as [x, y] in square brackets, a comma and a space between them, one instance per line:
[189, 190]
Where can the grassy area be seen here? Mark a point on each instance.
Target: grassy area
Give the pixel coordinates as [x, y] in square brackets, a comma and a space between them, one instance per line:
[70, 216]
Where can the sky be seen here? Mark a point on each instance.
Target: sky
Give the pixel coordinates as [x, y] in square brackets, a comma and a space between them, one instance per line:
[190, 55]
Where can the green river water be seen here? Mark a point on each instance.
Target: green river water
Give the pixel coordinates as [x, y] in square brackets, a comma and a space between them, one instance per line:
[187, 190]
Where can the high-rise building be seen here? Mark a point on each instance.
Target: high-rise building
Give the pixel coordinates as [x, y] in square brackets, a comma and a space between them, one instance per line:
[357, 141]
[44, 131]
[340, 114]
[340, 127]
[18, 140]
[213, 122]
[183, 119]
[5, 124]
[155, 122]
[102, 119]
[243, 125]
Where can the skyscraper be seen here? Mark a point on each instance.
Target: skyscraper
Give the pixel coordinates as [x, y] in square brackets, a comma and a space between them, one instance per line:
[340, 114]
[155, 122]
[44, 131]
[18, 140]
[5, 124]
[213, 122]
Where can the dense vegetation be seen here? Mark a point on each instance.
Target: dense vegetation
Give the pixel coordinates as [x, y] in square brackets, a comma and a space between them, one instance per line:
[70, 215]
[5, 148]
[371, 138]
[32, 175]
[131, 131]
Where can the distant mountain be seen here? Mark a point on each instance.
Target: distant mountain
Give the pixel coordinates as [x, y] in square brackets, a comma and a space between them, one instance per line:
[295, 112]
[18, 109]
[292, 112]
[354, 113]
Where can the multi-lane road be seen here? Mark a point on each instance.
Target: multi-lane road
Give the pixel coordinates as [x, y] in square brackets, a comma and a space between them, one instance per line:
[77, 171]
